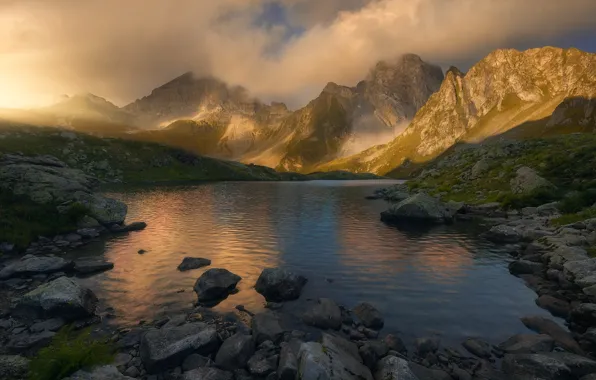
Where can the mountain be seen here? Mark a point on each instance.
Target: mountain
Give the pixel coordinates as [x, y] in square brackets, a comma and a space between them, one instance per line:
[509, 93]
[209, 117]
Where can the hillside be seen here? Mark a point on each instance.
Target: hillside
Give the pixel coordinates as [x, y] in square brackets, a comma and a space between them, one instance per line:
[534, 93]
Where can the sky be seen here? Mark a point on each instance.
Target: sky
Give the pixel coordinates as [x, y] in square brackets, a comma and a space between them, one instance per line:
[284, 50]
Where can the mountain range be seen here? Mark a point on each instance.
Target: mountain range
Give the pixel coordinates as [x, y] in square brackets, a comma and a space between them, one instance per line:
[404, 111]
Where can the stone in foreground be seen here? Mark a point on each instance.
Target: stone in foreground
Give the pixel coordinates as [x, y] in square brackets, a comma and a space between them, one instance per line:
[189, 263]
[535, 366]
[99, 373]
[32, 265]
[325, 315]
[369, 316]
[235, 352]
[167, 348]
[420, 207]
[207, 373]
[334, 359]
[62, 297]
[394, 368]
[278, 285]
[546, 326]
[288, 364]
[265, 326]
[13, 367]
[216, 284]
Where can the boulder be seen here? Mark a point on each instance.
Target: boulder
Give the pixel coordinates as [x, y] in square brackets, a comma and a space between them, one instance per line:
[334, 359]
[556, 306]
[61, 297]
[106, 211]
[556, 259]
[288, 364]
[278, 285]
[369, 316]
[535, 366]
[92, 266]
[325, 314]
[528, 344]
[371, 352]
[579, 365]
[526, 181]
[504, 234]
[394, 343]
[189, 263]
[235, 352]
[478, 347]
[584, 314]
[134, 226]
[195, 361]
[427, 345]
[107, 372]
[167, 348]
[13, 367]
[546, 326]
[419, 207]
[423, 373]
[31, 265]
[29, 343]
[207, 373]
[518, 267]
[215, 284]
[266, 326]
[261, 364]
[394, 368]
[53, 324]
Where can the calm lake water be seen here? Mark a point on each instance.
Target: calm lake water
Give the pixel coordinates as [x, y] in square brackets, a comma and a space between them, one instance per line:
[442, 280]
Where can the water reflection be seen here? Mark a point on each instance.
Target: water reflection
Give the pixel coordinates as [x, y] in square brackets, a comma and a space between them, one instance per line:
[436, 279]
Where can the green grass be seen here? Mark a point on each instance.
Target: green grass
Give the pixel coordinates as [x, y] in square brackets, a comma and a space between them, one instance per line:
[69, 352]
[575, 217]
[22, 220]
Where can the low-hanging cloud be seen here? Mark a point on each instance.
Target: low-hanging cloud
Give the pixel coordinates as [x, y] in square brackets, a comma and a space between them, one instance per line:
[123, 49]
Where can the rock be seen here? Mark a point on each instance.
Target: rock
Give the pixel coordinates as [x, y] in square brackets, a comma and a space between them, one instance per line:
[325, 314]
[334, 359]
[265, 326]
[62, 297]
[371, 352]
[261, 365]
[99, 373]
[131, 339]
[584, 314]
[208, 373]
[478, 347]
[24, 343]
[215, 284]
[556, 259]
[525, 267]
[88, 233]
[72, 237]
[288, 364]
[394, 343]
[167, 348]
[479, 168]
[546, 326]
[13, 367]
[87, 223]
[394, 368]
[107, 211]
[419, 207]
[504, 234]
[53, 324]
[278, 285]
[579, 365]
[32, 265]
[527, 181]
[122, 359]
[195, 361]
[132, 371]
[527, 344]
[189, 263]
[235, 352]
[92, 266]
[578, 270]
[423, 373]
[427, 345]
[535, 366]
[556, 306]
[369, 316]
[134, 226]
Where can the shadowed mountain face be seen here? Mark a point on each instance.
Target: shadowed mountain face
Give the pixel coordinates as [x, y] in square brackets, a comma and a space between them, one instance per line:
[549, 90]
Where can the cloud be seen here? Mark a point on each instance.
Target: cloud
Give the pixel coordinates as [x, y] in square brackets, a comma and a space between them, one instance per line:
[123, 49]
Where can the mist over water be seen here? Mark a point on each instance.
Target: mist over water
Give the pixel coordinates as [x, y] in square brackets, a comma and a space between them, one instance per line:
[442, 279]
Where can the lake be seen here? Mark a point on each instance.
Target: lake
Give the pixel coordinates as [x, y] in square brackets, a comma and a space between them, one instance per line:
[444, 279]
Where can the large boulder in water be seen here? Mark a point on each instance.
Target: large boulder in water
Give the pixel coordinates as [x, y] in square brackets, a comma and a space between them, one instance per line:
[32, 265]
[278, 285]
[168, 347]
[419, 207]
[334, 359]
[526, 181]
[62, 297]
[326, 314]
[215, 284]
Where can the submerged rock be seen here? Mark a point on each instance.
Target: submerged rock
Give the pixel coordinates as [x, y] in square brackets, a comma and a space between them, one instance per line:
[32, 265]
[62, 297]
[278, 285]
[419, 207]
[325, 314]
[369, 316]
[167, 348]
[478, 347]
[216, 284]
[189, 263]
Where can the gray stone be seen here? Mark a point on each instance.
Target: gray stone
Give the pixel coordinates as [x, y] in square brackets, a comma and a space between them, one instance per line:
[266, 326]
[278, 285]
[556, 259]
[423, 373]
[132, 371]
[546, 326]
[189, 263]
[13, 367]
[122, 359]
[25, 343]
[419, 207]
[167, 348]
[584, 314]
[427, 345]
[525, 267]
[288, 364]
[478, 347]
[535, 366]
[106, 211]
[215, 284]
[195, 361]
[395, 343]
[88, 233]
[579, 365]
[504, 234]
[526, 181]
[32, 265]
[88, 266]
[369, 316]
[87, 223]
[325, 314]
[53, 324]
[235, 352]
[62, 297]
[331, 361]
[371, 352]
[207, 373]
[262, 365]
[528, 344]
[394, 368]
[99, 373]
[577, 270]
[134, 226]
[556, 306]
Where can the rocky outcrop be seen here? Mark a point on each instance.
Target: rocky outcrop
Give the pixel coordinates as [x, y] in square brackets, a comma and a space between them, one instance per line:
[419, 207]
[31, 265]
[62, 297]
[215, 284]
[278, 285]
